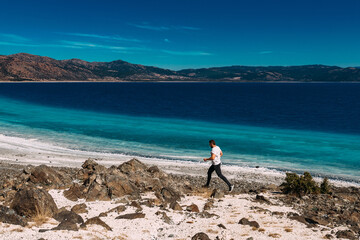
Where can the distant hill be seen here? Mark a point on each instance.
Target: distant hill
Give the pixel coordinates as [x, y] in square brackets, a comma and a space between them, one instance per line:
[27, 67]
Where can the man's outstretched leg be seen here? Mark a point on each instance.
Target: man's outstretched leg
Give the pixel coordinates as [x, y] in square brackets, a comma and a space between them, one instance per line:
[209, 173]
[218, 172]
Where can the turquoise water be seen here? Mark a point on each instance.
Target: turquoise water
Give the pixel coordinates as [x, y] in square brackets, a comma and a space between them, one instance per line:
[322, 153]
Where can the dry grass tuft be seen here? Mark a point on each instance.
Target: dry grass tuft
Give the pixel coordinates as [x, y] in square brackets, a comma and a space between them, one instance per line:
[39, 220]
[261, 230]
[288, 230]
[274, 235]
[212, 231]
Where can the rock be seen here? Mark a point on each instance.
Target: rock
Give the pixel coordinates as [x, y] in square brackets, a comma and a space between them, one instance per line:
[329, 236]
[200, 236]
[132, 166]
[135, 204]
[97, 221]
[31, 202]
[75, 192]
[217, 194]
[117, 209]
[90, 164]
[8, 215]
[192, 208]
[245, 221]
[131, 216]
[261, 198]
[206, 214]
[66, 225]
[97, 191]
[209, 204]
[169, 195]
[347, 234]
[79, 208]
[165, 217]
[48, 176]
[68, 216]
[119, 186]
[175, 206]
[221, 226]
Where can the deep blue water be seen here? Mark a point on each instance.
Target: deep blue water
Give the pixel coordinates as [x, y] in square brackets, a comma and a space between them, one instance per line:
[296, 126]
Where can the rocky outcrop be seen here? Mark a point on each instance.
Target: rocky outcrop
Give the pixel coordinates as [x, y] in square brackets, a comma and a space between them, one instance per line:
[31, 202]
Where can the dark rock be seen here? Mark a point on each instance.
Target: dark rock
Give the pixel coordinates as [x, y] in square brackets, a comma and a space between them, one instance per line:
[79, 208]
[66, 225]
[75, 192]
[31, 202]
[119, 186]
[221, 226]
[132, 166]
[329, 236]
[68, 216]
[97, 221]
[200, 236]
[48, 176]
[245, 221]
[131, 216]
[348, 234]
[261, 198]
[8, 215]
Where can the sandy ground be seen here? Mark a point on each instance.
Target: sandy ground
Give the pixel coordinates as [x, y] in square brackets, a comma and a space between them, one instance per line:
[184, 224]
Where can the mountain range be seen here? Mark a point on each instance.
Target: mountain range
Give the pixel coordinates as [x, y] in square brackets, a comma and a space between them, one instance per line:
[28, 67]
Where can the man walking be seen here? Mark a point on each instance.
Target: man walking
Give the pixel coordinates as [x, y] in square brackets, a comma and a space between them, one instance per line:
[216, 154]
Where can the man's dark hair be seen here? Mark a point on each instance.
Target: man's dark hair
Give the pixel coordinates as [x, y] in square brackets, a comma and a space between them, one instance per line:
[212, 142]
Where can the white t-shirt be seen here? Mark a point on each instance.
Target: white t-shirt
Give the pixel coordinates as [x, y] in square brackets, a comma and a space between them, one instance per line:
[216, 150]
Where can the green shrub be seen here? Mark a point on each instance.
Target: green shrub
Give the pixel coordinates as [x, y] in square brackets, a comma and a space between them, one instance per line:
[325, 187]
[299, 185]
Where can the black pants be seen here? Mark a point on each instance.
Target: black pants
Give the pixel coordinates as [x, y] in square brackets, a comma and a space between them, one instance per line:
[217, 169]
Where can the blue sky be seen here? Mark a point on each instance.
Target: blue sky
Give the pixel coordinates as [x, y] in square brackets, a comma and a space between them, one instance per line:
[185, 34]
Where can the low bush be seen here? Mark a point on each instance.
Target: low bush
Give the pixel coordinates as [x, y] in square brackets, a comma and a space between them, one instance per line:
[303, 185]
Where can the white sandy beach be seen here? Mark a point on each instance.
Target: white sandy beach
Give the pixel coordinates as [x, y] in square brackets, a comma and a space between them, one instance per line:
[184, 224]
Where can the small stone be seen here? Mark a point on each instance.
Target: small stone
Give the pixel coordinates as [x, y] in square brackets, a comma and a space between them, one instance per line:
[192, 208]
[200, 236]
[245, 221]
[131, 216]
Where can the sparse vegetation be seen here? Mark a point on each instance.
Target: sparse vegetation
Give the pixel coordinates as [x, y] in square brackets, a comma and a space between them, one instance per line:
[303, 185]
[325, 187]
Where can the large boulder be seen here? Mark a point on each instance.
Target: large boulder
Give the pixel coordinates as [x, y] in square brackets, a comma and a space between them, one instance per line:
[32, 202]
[49, 177]
[8, 215]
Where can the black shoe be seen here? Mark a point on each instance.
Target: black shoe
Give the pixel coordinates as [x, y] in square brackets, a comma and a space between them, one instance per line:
[231, 188]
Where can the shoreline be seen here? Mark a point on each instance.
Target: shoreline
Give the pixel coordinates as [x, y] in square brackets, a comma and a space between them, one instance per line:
[24, 153]
[177, 81]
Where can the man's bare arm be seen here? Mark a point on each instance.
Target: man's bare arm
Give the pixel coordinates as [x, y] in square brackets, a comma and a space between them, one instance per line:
[210, 158]
[221, 154]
